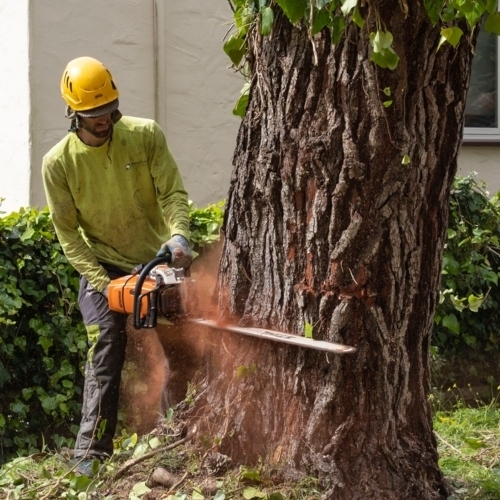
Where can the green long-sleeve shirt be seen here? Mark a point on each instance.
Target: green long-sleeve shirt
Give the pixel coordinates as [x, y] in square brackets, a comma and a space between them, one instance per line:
[116, 203]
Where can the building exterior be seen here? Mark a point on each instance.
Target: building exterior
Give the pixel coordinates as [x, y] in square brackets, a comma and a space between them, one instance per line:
[168, 63]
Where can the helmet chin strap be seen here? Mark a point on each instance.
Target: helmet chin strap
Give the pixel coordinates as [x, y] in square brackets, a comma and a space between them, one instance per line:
[116, 116]
[75, 120]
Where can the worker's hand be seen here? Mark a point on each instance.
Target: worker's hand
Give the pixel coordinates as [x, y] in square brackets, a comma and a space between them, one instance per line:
[179, 248]
[105, 291]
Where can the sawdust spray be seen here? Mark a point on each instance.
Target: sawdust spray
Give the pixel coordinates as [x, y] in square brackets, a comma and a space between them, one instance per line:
[160, 362]
[142, 380]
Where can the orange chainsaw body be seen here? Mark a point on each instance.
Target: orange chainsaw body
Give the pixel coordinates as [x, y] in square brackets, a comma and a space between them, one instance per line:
[121, 294]
[158, 291]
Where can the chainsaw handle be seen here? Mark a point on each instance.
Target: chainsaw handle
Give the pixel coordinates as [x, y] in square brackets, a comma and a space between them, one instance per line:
[136, 316]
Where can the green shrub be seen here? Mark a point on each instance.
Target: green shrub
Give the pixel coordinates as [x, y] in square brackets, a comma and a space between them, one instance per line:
[43, 342]
[468, 315]
[205, 224]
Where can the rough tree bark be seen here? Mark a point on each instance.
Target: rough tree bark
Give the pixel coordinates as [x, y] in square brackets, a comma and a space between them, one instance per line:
[325, 225]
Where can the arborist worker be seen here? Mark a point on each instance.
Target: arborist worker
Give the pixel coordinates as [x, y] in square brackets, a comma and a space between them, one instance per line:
[116, 199]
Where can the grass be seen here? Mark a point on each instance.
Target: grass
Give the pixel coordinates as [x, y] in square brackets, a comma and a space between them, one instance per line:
[469, 449]
[129, 474]
[468, 443]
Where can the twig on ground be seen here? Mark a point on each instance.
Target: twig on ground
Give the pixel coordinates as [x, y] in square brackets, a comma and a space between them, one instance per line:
[178, 483]
[449, 445]
[126, 467]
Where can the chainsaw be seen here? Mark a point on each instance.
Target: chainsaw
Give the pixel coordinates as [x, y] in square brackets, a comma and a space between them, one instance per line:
[157, 292]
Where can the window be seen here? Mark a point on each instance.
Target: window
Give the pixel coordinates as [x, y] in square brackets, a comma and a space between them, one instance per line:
[482, 105]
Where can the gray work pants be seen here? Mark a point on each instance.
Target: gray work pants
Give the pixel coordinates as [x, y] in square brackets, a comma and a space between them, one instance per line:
[107, 339]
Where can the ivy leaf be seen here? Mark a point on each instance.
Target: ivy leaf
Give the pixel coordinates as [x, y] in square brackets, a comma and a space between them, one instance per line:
[28, 234]
[347, 6]
[357, 18]
[243, 19]
[386, 59]
[20, 408]
[4, 375]
[46, 344]
[474, 12]
[491, 6]
[457, 303]
[492, 24]
[276, 496]
[102, 428]
[140, 489]
[406, 159]
[451, 233]
[235, 48]
[140, 450]
[321, 20]
[383, 54]
[266, 20]
[197, 495]
[130, 442]
[475, 302]
[308, 331]
[154, 442]
[293, 9]
[242, 371]
[81, 483]
[240, 108]
[337, 28]
[448, 14]
[433, 9]
[450, 321]
[381, 40]
[251, 474]
[450, 35]
[250, 492]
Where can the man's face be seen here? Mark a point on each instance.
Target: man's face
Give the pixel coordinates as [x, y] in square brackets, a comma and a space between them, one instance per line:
[99, 127]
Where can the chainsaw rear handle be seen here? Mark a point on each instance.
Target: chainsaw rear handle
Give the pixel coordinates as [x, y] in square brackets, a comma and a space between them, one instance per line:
[150, 320]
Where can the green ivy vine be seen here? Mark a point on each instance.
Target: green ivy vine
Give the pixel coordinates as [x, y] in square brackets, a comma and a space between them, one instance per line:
[334, 15]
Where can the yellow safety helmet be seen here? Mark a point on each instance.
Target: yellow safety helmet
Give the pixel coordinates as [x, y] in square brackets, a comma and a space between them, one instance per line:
[87, 84]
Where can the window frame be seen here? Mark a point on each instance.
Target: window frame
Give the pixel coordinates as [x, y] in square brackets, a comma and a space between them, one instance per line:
[487, 135]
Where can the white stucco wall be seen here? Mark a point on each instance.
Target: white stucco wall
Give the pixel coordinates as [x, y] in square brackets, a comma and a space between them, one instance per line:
[168, 62]
[485, 160]
[175, 72]
[117, 32]
[200, 94]
[14, 105]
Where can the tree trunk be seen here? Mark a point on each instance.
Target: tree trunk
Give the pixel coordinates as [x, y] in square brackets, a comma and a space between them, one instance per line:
[326, 225]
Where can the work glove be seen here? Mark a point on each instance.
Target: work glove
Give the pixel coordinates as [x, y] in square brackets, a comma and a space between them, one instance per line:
[178, 246]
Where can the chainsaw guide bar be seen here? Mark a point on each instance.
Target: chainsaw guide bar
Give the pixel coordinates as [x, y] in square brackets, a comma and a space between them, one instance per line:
[159, 293]
[286, 338]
